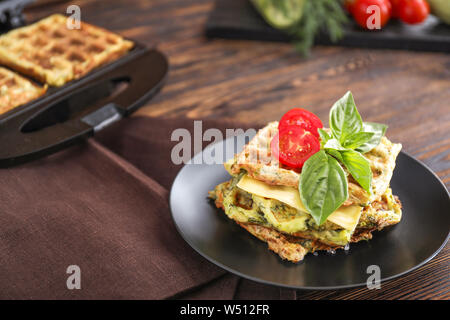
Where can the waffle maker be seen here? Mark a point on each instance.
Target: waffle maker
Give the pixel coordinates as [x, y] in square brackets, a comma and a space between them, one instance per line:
[69, 114]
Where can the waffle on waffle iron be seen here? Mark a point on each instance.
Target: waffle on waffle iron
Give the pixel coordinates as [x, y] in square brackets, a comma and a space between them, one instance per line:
[51, 53]
[16, 90]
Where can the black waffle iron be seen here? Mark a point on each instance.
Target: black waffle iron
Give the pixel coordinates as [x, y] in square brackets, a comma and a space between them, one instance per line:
[75, 111]
[11, 13]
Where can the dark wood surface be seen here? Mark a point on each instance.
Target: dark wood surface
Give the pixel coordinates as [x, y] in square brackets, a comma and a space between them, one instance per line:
[259, 81]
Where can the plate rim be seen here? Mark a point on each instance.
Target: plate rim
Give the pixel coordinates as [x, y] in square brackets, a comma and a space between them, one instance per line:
[306, 288]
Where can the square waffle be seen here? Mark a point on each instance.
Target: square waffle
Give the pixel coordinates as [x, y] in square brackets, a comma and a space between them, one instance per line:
[51, 53]
[16, 90]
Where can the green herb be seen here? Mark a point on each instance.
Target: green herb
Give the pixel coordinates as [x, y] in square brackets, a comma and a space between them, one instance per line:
[348, 128]
[359, 167]
[333, 144]
[344, 118]
[319, 17]
[323, 186]
[358, 139]
[304, 19]
[323, 182]
[378, 131]
[324, 137]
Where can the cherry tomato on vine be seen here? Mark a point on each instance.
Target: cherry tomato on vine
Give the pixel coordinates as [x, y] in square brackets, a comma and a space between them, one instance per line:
[358, 9]
[294, 145]
[348, 4]
[413, 11]
[395, 8]
[301, 118]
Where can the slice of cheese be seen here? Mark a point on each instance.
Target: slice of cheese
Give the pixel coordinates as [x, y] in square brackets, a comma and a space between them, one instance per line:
[346, 217]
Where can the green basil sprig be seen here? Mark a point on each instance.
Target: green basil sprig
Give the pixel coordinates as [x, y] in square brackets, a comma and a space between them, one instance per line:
[323, 183]
[378, 131]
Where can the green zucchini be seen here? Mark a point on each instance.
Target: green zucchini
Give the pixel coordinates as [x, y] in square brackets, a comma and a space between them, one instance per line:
[280, 14]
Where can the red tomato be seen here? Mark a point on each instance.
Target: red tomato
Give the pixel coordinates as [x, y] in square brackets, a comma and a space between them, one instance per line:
[413, 11]
[349, 5]
[302, 118]
[359, 11]
[395, 8]
[294, 145]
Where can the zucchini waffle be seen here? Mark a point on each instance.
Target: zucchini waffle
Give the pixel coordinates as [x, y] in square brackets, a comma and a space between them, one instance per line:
[51, 53]
[261, 198]
[16, 90]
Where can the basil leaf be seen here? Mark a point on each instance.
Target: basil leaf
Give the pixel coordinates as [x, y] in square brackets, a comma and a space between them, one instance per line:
[359, 167]
[344, 118]
[378, 131]
[324, 137]
[323, 186]
[358, 139]
[335, 153]
[333, 144]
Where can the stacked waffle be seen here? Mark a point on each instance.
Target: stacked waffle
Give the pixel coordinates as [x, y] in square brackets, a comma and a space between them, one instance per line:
[262, 197]
[51, 53]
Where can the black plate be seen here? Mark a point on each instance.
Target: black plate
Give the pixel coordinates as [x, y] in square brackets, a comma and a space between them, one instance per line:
[422, 233]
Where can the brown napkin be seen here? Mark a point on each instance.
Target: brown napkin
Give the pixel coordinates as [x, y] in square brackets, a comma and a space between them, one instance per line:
[103, 207]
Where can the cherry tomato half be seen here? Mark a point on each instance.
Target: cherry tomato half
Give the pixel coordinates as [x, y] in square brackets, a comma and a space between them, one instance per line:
[413, 11]
[361, 16]
[294, 145]
[301, 118]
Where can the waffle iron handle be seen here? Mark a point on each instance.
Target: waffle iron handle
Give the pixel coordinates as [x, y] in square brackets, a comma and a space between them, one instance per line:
[24, 138]
[145, 79]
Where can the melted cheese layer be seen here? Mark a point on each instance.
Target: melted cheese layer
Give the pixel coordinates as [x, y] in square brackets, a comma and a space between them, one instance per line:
[346, 217]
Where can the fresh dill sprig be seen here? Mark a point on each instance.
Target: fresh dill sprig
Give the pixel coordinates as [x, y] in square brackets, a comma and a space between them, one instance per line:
[319, 16]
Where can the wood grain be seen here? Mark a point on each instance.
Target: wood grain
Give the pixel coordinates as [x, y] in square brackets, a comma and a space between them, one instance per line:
[259, 81]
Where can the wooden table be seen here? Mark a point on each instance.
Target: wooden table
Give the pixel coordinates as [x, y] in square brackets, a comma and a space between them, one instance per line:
[256, 81]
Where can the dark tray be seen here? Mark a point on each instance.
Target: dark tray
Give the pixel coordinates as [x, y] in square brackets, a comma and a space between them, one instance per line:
[237, 19]
[75, 111]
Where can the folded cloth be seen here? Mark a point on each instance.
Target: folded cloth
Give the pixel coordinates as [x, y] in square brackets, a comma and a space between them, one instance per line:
[103, 206]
